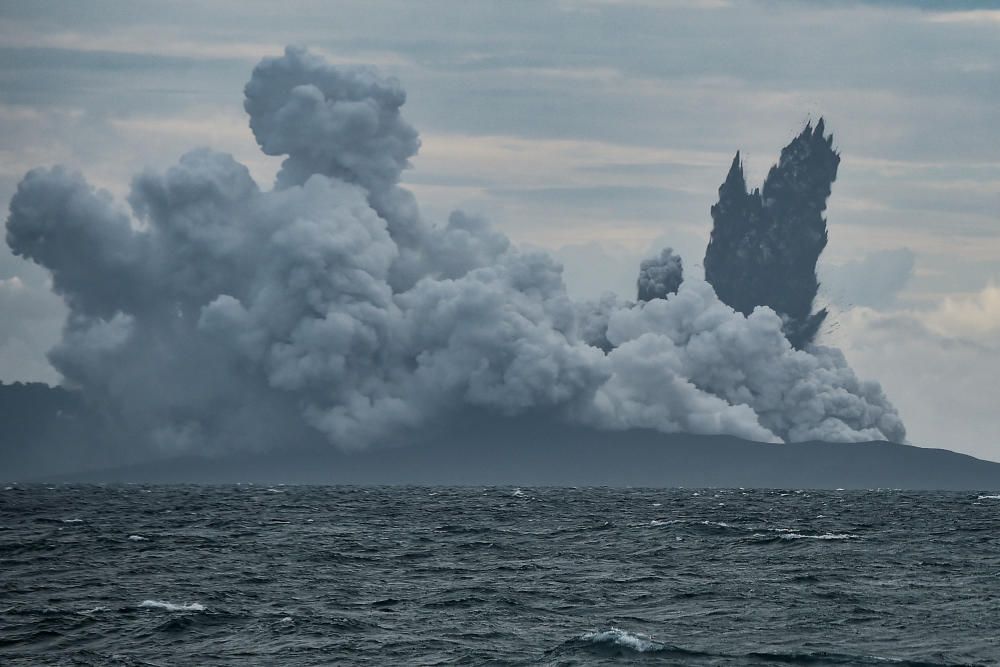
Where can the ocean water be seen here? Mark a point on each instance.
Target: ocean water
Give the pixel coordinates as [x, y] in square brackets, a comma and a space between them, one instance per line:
[253, 575]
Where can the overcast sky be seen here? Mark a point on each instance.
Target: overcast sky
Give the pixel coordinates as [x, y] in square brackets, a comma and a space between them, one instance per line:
[600, 130]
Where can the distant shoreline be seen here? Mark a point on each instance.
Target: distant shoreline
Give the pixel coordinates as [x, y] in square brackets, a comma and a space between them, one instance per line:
[525, 452]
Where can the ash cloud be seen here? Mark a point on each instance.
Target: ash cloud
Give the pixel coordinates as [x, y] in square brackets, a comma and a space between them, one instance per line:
[660, 276]
[765, 244]
[344, 122]
[215, 315]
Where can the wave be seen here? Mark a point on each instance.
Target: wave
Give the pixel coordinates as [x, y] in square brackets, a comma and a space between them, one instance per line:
[829, 658]
[619, 643]
[989, 497]
[689, 522]
[774, 537]
[138, 538]
[624, 639]
[757, 533]
[170, 606]
[720, 524]
[95, 610]
[618, 640]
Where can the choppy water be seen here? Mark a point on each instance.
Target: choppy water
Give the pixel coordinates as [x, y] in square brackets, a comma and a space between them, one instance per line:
[313, 576]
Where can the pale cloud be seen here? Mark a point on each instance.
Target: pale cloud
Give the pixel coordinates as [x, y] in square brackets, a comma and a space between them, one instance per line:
[887, 167]
[30, 325]
[165, 42]
[513, 161]
[874, 280]
[939, 365]
[585, 5]
[528, 187]
[848, 240]
[137, 42]
[969, 316]
[975, 17]
[156, 138]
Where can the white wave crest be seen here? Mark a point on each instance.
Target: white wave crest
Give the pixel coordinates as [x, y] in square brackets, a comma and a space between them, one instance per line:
[826, 536]
[95, 610]
[170, 606]
[989, 497]
[623, 638]
[138, 538]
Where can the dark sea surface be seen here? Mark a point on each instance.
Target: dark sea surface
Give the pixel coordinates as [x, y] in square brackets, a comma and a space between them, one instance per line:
[252, 575]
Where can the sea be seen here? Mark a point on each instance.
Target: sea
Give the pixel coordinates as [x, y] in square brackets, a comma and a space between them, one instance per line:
[297, 575]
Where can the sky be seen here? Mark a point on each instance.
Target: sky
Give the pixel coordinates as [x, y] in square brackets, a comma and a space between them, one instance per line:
[598, 130]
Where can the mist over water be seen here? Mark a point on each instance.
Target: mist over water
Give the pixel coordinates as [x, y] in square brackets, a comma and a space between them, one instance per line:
[138, 575]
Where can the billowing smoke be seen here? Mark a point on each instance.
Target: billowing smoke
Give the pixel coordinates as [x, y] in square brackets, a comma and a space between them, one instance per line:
[765, 244]
[660, 276]
[216, 314]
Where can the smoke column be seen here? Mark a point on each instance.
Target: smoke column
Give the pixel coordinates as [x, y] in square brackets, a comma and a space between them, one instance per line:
[765, 244]
[219, 315]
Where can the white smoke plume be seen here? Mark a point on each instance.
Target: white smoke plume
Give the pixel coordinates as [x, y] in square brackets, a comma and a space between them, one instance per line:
[216, 314]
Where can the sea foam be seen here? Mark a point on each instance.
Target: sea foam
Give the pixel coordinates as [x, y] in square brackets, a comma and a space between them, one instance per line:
[170, 606]
[624, 639]
[826, 536]
[95, 610]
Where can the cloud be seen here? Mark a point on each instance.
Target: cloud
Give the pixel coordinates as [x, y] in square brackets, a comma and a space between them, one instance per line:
[875, 280]
[660, 276]
[939, 364]
[592, 269]
[215, 314]
[338, 121]
[32, 317]
[973, 316]
[748, 361]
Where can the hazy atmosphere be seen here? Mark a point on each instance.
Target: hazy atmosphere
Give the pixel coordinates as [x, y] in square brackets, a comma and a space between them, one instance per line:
[597, 131]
